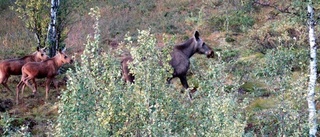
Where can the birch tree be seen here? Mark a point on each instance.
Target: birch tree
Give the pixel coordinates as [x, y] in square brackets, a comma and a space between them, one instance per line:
[313, 73]
[63, 14]
[52, 31]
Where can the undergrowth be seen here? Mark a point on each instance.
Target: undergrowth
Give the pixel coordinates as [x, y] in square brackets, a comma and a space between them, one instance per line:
[98, 102]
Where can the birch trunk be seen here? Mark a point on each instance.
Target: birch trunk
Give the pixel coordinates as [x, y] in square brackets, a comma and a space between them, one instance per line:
[313, 74]
[52, 31]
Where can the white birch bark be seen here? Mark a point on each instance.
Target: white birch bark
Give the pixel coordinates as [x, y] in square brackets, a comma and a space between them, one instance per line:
[52, 31]
[313, 75]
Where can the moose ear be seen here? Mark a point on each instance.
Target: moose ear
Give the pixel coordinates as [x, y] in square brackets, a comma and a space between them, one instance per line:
[59, 51]
[38, 48]
[44, 49]
[197, 35]
[62, 50]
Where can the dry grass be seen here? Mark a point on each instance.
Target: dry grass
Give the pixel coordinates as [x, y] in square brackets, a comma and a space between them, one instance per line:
[15, 40]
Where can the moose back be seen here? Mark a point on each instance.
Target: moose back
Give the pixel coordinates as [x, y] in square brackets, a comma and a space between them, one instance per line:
[180, 61]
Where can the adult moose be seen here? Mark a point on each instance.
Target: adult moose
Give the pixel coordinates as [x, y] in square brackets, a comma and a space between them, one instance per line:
[13, 66]
[180, 61]
[46, 69]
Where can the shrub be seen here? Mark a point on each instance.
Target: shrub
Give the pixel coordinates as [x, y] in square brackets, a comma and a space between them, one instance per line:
[282, 71]
[274, 34]
[10, 126]
[235, 21]
[98, 103]
[283, 113]
[4, 4]
[279, 62]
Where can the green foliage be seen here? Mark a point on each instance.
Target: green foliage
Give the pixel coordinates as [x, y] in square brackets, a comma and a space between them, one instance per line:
[282, 33]
[5, 123]
[217, 23]
[252, 86]
[240, 22]
[35, 14]
[197, 20]
[230, 55]
[229, 39]
[81, 93]
[98, 102]
[67, 16]
[282, 61]
[282, 114]
[13, 126]
[4, 4]
[233, 20]
[283, 73]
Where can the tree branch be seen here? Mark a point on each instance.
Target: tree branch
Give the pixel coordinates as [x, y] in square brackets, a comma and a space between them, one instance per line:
[271, 5]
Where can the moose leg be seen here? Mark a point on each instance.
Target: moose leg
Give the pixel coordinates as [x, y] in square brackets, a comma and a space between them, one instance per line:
[184, 82]
[7, 87]
[34, 86]
[21, 83]
[4, 81]
[26, 82]
[34, 91]
[169, 80]
[23, 87]
[48, 81]
[56, 84]
[18, 88]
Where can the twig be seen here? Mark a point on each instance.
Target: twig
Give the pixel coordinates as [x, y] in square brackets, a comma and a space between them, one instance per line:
[282, 10]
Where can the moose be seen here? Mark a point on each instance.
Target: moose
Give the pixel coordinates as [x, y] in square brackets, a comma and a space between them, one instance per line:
[13, 66]
[127, 76]
[180, 61]
[46, 69]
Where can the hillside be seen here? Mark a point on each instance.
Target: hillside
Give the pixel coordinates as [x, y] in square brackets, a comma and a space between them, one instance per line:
[256, 85]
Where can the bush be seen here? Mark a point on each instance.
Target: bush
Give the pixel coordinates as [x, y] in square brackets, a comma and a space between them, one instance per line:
[275, 34]
[282, 72]
[230, 55]
[235, 21]
[4, 4]
[283, 113]
[10, 126]
[98, 103]
[282, 61]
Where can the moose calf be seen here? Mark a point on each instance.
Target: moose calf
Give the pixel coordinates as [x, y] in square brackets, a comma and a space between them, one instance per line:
[46, 69]
[13, 66]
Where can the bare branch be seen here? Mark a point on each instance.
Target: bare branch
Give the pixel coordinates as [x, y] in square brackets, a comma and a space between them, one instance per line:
[272, 5]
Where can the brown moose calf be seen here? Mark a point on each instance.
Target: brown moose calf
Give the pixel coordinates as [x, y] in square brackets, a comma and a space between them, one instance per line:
[46, 69]
[13, 66]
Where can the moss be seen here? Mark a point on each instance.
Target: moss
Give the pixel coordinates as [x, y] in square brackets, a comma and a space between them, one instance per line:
[251, 86]
[262, 103]
[229, 55]
[251, 57]
[229, 39]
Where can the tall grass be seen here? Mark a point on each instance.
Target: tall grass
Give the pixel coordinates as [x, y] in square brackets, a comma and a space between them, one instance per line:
[15, 39]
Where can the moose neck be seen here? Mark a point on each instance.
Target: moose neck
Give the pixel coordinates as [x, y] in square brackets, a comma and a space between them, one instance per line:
[33, 57]
[188, 48]
[58, 63]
